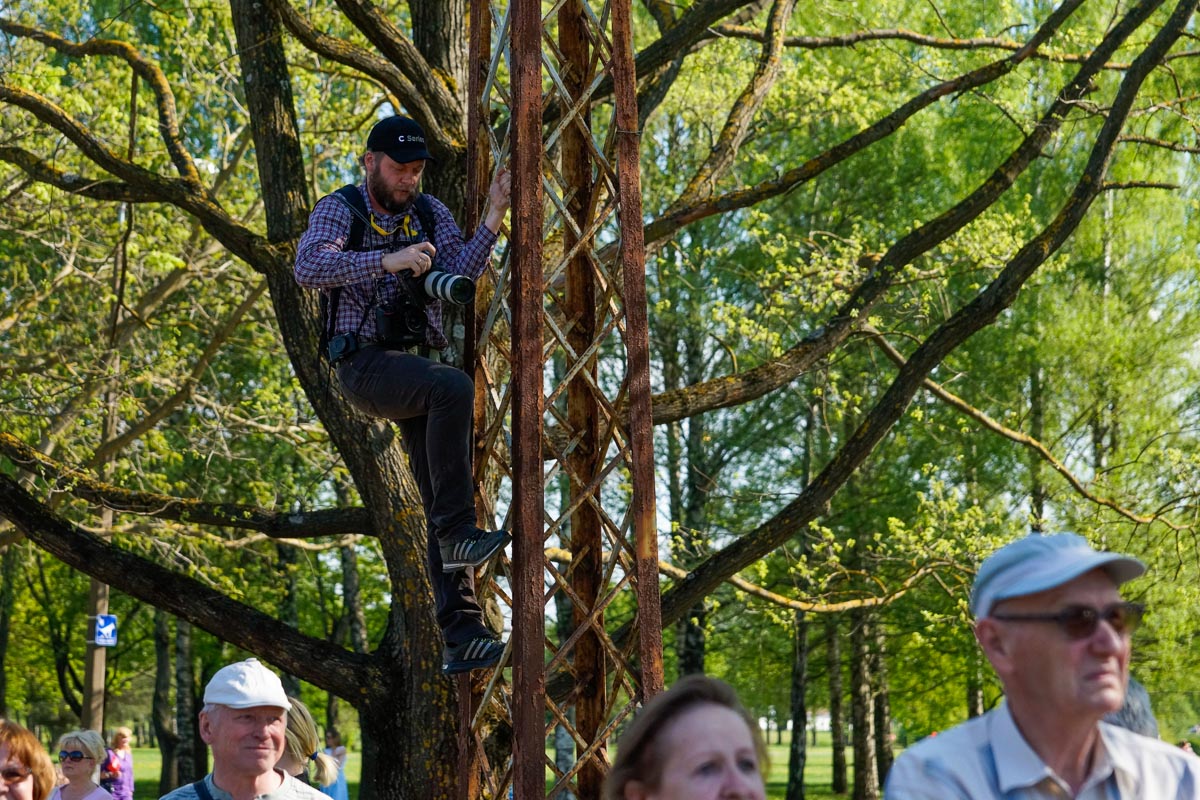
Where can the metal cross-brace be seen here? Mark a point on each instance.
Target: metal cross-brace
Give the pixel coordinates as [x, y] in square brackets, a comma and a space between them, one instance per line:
[563, 426]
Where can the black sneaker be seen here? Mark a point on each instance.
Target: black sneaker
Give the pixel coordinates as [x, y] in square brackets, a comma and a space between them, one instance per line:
[472, 549]
[477, 653]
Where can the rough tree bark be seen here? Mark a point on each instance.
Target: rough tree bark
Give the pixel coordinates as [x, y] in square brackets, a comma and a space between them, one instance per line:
[862, 712]
[798, 750]
[837, 718]
[162, 714]
[190, 756]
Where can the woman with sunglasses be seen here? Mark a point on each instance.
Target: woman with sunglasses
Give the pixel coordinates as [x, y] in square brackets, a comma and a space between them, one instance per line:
[25, 770]
[79, 757]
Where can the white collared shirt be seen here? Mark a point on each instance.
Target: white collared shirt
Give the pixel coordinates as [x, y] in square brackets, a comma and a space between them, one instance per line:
[987, 759]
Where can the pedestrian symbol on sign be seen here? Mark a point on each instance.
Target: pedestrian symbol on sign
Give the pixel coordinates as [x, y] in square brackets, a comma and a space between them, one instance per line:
[106, 630]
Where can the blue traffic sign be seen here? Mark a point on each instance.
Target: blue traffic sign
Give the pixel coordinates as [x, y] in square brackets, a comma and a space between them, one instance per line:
[106, 630]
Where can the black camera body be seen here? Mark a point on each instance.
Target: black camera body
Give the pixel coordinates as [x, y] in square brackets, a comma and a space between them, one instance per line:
[402, 322]
[341, 346]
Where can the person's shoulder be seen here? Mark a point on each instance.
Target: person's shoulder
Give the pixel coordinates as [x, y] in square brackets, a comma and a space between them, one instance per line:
[960, 735]
[185, 792]
[941, 764]
[99, 793]
[293, 789]
[1148, 749]
[332, 207]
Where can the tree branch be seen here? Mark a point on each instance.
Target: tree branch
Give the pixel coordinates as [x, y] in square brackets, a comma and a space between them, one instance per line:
[677, 217]
[874, 601]
[732, 389]
[188, 598]
[399, 50]
[737, 124]
[107, 449]
[380, 69]
[902, 35]
[1178, 147]
[276, 524]
[147, 186]
[691, 26]
[966, 409]
[44, 172]
[168, 123]
[969, 319]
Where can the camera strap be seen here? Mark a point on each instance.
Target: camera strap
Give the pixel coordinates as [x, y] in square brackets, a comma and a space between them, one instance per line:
[201, 789]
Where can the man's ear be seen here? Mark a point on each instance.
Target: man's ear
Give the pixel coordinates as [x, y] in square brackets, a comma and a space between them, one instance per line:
[994, 644]
[206, 725]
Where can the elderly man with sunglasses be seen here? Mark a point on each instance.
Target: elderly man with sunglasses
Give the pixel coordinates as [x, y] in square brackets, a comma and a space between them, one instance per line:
[1050, 619]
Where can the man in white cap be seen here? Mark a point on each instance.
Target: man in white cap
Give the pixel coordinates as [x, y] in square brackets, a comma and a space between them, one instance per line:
[244, 723]
[1052, 623]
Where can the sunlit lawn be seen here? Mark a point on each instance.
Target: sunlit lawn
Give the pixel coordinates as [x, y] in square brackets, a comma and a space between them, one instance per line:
[817, 774]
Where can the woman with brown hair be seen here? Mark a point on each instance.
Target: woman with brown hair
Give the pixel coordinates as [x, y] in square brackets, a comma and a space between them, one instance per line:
[26, 772]
[695, 741]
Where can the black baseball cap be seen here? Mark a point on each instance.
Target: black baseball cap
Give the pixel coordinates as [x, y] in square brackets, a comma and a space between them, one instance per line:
[400, 138]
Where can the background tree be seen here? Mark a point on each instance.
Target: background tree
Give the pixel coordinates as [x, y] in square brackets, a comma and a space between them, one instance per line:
[875, 189]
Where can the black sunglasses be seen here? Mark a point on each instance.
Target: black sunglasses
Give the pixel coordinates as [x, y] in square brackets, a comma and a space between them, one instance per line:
[14, 773]
[1080, 622]
[72, 756]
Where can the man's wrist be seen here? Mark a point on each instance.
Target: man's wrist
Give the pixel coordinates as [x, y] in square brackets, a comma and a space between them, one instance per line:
[494, 219]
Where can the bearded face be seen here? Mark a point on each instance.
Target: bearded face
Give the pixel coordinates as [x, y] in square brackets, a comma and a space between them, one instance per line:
[391, 184]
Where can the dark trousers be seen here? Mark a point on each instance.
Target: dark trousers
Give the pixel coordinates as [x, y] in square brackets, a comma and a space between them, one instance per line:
[433, 405]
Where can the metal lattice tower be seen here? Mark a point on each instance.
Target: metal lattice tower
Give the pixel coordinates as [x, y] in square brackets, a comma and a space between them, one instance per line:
[563, 392]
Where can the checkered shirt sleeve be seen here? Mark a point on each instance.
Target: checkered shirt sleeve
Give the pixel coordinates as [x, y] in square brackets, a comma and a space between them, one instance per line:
[322, 263]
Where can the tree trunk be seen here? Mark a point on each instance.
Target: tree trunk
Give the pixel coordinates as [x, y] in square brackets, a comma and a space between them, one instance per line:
[439, 33]
[288, 610]
[1037, 426]
[798, 751]
[884, 754]
[974, 683]
[837, 723]
[866, 777]
[189, 756]
[402, 687]
[352, 610]
[9, 565]
[162, 715]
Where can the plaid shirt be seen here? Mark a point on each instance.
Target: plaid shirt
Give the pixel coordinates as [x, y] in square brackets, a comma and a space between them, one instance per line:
[322, 263]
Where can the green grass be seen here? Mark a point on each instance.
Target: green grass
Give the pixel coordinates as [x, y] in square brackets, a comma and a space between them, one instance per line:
[818, 772]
